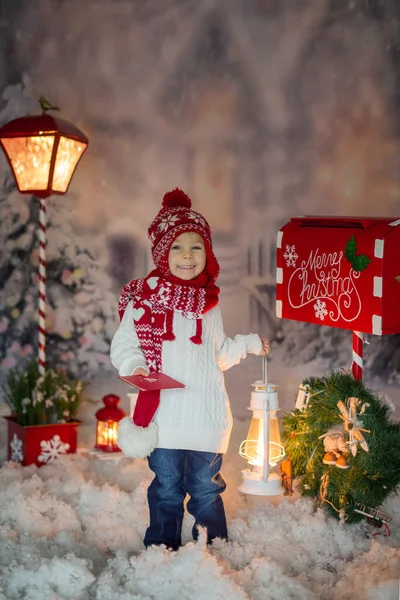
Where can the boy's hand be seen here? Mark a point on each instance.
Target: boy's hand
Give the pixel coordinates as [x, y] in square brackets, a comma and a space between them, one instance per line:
[266, 348]
[141, 371]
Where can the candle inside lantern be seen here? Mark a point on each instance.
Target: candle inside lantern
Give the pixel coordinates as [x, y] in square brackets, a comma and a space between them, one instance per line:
[107, 432]
[112, 434]
[253, 446]
[108, 419]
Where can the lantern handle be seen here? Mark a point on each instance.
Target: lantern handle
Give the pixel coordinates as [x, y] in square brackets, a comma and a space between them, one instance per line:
[266, 421]
[265, 369]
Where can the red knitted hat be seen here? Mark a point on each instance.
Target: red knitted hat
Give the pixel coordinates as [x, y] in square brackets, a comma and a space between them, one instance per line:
[177, 217]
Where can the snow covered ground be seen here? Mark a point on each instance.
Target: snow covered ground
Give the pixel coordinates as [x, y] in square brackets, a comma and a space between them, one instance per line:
[73, 530]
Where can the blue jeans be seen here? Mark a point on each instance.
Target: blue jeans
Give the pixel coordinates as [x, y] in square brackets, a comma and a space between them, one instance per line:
[177, 473]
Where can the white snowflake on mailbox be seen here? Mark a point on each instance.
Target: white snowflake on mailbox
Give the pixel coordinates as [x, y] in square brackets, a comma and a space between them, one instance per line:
[52, 449]
[320, 310]
[290, 255]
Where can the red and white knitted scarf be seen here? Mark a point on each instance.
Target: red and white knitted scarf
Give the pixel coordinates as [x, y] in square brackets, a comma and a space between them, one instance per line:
[155, 299]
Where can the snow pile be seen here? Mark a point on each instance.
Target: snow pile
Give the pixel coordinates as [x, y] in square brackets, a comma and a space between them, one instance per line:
[73, 530]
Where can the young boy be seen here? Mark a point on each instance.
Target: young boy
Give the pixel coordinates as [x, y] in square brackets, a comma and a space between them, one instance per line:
[171, 323]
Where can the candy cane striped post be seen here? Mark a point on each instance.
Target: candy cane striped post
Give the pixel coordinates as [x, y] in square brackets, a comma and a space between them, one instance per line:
[42, 287]
[357, 364]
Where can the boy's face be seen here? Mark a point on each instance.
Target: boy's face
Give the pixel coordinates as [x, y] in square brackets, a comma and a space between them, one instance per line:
[187, 256]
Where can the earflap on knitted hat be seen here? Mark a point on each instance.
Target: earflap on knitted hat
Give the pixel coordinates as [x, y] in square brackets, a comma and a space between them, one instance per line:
[176, 217]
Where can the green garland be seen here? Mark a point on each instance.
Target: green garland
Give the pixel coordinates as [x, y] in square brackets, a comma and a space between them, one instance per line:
[372, 475]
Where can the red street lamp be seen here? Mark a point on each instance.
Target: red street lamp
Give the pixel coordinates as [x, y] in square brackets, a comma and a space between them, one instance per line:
[43, 153]
[108, 419]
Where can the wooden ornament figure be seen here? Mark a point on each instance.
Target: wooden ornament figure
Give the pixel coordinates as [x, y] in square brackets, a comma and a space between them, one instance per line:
[352, 424]
[335, 449]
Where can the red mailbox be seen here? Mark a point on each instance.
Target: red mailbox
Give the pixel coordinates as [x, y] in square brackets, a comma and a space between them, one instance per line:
[340, 271]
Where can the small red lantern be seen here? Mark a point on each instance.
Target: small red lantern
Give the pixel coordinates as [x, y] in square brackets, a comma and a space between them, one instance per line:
[43, 152]
[108, 419]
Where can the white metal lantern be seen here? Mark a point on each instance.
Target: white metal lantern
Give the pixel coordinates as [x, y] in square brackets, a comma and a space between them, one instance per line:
[262, 448]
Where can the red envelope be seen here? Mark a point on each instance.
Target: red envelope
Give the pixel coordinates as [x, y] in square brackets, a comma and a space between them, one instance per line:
[155, 381]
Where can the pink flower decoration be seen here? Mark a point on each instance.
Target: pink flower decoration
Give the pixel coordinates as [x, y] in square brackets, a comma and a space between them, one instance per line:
[66, 277]
[9, 362]
[26, 350]
[82, 297]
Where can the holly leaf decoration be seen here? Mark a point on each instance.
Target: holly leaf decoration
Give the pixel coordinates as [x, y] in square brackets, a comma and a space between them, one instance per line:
[351, 248]
[359, 262]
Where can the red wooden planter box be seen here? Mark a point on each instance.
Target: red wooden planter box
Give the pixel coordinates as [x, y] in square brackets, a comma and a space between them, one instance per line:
[40, 444]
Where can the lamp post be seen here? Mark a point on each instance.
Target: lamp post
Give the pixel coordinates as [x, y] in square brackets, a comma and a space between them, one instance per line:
[43, 153]
[262, 448]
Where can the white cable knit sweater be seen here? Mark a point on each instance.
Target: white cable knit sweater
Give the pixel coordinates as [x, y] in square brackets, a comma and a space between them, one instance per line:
[197, 417]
